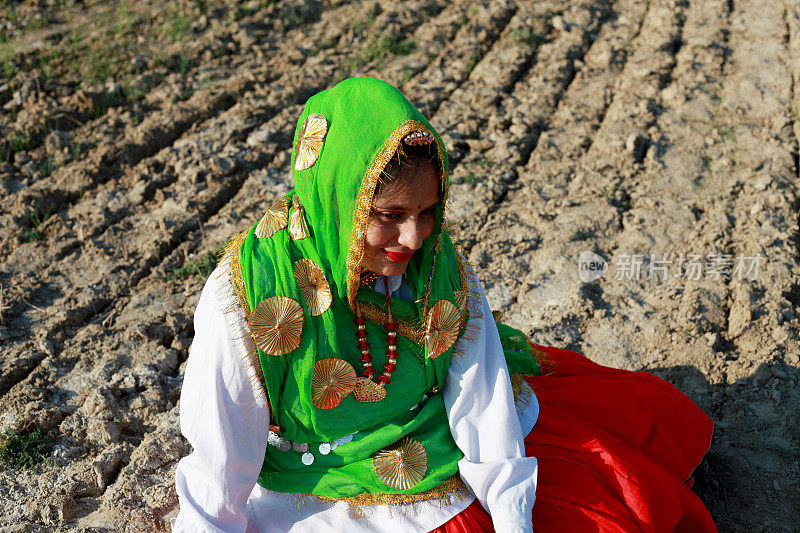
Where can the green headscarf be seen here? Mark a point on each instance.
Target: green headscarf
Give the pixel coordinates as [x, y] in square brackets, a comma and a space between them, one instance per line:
[315, 238]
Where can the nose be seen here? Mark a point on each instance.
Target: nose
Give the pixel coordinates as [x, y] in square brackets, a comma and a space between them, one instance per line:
[410, 234]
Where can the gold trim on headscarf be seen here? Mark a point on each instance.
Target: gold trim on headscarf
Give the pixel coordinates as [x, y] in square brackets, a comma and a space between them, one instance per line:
[355, 254]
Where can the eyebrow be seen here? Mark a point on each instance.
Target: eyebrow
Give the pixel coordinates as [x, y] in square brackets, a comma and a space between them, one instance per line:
[401, 208]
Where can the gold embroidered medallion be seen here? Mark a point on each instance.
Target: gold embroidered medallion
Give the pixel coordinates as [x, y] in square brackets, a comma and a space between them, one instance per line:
[276, 324]
[402, 465]
[274, 219]
[313, 285]
[331, 380]
[309, 142]
[444, 322]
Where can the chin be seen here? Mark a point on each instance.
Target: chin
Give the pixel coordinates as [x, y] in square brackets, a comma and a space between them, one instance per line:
[392, 269]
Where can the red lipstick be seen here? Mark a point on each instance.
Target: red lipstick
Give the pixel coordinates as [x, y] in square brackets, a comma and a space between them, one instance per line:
[397, 257]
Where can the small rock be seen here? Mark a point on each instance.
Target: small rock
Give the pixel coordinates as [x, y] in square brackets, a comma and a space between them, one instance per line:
[57, 140]
[636, 145]
[102, 431]
[560, 24]
[113, 88]
[47, 345]
[740, 313]
[223, 165]
[14, 103]
[200, 25]
[756, 208]
[498, 296]
[778, 373]
[793, 358]
[107, 464]
[258, 137]
[138, 64]
[762, 183]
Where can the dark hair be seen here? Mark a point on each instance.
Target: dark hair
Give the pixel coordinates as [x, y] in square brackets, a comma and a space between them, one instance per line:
[393, 178]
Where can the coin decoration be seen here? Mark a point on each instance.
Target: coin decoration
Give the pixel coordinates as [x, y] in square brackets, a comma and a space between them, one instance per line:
[277, 323]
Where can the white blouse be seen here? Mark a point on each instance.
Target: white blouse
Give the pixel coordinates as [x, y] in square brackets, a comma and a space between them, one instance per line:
[226, 421]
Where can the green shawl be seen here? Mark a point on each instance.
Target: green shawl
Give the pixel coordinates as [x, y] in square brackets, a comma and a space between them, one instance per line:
[297, 272]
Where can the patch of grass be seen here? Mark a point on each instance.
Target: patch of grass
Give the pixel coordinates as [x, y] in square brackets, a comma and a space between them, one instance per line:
[180, 22]
[134, 91]
[46, 69]
[527, 38]
[359, 25]
[608, 192]
[25, 449]
[431, 10]
[472, 63]
[37, 217]
[470, 179]
[380, 47]
[727, 133]
[201, 266]
[7, 52]
[184, 65]
[48, 166]
[77, 150]
[99, 66]
[293, 19]
[124, 19]
[40, 20]
[485, 161]
[186, 94]
[16, 142]
[245, 11]
[19, 141]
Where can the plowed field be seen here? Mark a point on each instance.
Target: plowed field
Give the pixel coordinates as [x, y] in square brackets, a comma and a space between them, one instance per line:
[660, 135]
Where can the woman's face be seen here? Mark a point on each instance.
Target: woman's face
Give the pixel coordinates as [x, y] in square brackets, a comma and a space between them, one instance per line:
[400, 219]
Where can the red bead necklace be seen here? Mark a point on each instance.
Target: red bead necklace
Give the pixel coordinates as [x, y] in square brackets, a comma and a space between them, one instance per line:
[391, 340]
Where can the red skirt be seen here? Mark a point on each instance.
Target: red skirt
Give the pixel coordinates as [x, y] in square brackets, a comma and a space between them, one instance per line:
[616, 452]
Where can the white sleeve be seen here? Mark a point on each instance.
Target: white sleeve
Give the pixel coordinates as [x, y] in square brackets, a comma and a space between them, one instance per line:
[485, 425]
[222, 417]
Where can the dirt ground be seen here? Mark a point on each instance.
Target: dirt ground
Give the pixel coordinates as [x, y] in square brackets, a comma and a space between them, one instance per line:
[135, 139]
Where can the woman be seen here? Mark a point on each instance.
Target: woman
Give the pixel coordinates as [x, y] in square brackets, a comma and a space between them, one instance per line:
[313, 400]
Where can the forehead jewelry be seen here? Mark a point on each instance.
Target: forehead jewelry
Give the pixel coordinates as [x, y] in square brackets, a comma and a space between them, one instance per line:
[418, 137]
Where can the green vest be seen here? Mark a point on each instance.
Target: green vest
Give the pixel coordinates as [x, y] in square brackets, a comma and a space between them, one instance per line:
[297, 276]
